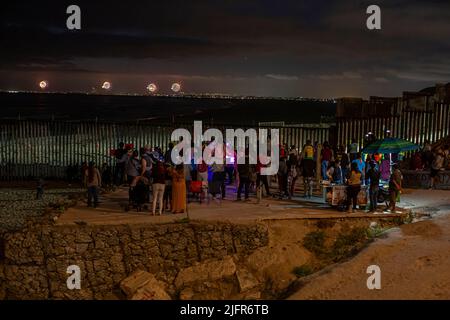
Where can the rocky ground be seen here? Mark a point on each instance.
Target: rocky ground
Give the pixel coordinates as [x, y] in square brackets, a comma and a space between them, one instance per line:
[413, 260]
[16, 205]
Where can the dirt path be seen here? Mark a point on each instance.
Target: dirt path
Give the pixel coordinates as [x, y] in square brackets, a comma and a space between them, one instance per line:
[414, 261]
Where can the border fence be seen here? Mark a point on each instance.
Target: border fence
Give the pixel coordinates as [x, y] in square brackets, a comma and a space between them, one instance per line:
[32, 149]
[412, 125]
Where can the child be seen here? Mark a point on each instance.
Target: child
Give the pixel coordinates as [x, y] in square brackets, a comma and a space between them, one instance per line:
[40, 189]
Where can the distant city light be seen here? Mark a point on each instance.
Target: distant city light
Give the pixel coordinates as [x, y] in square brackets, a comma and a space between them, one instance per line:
[176, 87]
[106, 85]
[43, 84]
[152, 87]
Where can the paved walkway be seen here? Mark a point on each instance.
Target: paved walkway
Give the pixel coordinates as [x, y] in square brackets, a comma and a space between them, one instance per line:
[111, 210]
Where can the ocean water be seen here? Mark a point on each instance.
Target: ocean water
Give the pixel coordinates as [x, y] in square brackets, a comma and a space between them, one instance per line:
[161, 109]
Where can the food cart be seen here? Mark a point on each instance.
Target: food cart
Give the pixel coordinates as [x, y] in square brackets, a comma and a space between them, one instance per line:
[336, 195]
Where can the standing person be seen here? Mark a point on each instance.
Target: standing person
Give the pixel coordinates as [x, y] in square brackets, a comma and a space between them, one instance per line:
[133, 172]
[217, 185]
[369, 159]
[168, 154]
[147, 163]
[345, 162]
[229, 169]
[194, 172]
[283, 151]
[326, 156]
[202, 171]
[293, 171]
[178, 189]
[283, 177]
[188, 168]
[202, 175]
[374, 175]
[106, 175]
[121, 161]
[385, 167]
[354, 186]
[436, 165]
[361, 165]
[338, 175]
[94, 181]
[40, 189]
[167, 199]
[308, 168]
[427, 154]
[159, 185]
[291, 179]
[243, 171]
[133, 168]
[353, 149]
[84, 167]
[395, 186]
[261, 179]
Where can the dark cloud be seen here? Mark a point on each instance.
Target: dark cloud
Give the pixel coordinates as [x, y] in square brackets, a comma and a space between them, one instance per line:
[288, 47]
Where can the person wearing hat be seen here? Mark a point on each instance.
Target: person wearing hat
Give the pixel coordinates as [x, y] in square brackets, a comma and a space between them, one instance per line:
[94, 181]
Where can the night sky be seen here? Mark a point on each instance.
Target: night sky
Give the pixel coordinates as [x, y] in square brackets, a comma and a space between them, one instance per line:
[249, 47]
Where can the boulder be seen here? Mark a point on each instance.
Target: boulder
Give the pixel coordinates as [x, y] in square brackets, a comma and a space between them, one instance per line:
[246, 280]
[142, 285]
[208, 271]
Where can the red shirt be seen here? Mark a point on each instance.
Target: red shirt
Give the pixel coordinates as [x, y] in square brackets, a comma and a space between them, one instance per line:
[327, 154]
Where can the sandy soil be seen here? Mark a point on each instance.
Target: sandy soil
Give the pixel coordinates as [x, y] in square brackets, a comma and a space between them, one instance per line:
[414, 260]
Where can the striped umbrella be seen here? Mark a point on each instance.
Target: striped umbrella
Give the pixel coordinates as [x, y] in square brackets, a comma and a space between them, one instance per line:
[390, 145]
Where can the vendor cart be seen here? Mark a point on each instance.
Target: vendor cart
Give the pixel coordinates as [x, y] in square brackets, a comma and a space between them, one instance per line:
[336, 195]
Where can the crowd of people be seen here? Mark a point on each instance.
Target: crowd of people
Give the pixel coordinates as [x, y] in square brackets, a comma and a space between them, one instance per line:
[340, 166]
[150, 173]
[431, 160]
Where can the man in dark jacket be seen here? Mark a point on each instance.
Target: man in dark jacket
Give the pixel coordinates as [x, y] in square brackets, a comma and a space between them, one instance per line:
[374, 176]
[244, 171]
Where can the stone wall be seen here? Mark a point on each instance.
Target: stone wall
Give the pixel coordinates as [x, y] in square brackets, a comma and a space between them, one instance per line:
[195, 260]
[36, 259]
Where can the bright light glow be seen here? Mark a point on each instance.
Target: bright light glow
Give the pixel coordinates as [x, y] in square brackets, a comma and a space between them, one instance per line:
[43, 84]
[152, 87]
[176, 87]
[106, 85]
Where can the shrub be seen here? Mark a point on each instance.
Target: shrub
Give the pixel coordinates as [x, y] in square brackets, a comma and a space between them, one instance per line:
[347, 244]
[315, 242]
[303, 270]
